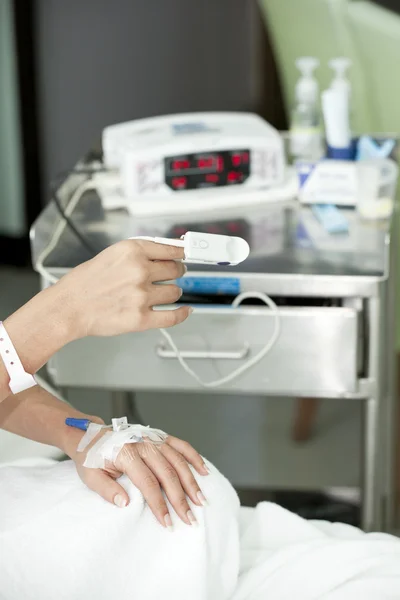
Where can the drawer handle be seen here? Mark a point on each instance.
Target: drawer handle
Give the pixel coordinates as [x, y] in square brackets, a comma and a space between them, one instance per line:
[164, 352]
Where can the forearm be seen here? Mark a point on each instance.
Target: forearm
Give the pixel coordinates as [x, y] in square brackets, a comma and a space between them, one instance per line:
[37, 415]
[38, 330]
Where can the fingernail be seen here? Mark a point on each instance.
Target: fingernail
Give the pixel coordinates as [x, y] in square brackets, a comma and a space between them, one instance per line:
[120, 501]
[191, 310]
[185, 269]
[168, 522]
[180, 293]
[202, 499]
[191, 518]
[206, 468]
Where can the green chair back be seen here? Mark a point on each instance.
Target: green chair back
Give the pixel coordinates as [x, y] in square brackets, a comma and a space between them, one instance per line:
[314, 28]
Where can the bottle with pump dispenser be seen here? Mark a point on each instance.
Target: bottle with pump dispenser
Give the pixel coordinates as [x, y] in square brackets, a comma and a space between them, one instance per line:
[336, 106]
[306, 142]
[340, 80]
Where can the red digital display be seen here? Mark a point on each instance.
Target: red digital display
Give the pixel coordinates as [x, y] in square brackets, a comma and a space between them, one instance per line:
[234, 227]
[207, 169]
[234, 176]
[179, 182]
[177, 165]
[212, 178]
[206, 163]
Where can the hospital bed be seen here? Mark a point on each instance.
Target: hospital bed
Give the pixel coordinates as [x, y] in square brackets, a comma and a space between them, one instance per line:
[74, 545]
[336, 300]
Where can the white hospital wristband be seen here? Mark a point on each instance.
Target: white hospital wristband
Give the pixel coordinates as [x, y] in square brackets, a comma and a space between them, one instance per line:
[20, 380]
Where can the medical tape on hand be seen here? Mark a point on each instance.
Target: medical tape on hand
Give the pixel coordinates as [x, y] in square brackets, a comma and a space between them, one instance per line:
[107, 448]
[95, 428]
[90, 434]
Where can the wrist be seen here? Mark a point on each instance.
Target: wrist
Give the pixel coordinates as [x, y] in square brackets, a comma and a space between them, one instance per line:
[42, 327]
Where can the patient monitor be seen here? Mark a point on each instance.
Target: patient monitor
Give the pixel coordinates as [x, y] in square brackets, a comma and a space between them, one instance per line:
[179, 163]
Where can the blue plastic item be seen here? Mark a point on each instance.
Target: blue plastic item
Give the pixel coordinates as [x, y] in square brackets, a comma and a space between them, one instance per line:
[331, 218]
[82, 424]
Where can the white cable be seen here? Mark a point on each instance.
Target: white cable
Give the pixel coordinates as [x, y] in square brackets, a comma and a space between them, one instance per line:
[248, 364]
[72, 204]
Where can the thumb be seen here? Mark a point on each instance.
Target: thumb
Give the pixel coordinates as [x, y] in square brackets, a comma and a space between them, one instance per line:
[98, 481]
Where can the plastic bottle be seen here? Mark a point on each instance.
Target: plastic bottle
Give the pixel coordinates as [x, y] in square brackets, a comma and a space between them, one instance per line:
[335, 107]
[340, 80]
[305, 130]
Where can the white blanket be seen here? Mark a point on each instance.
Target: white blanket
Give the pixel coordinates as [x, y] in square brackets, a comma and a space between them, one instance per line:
[284, 557]
[60, 541]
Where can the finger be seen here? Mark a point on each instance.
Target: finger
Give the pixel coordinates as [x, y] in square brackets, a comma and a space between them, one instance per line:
[166, 270]
[146, 481]
[189, 453]
[163, 319]
[181, 466]
[169, 480]
[164, 294]
[155, 251]
[104, 485]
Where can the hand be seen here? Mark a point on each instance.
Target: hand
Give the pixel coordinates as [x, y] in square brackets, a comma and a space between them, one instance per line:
[111, 294]
[115, 292]
[151, 468]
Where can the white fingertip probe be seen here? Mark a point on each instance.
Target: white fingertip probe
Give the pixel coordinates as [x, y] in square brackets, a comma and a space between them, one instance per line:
[207, 248]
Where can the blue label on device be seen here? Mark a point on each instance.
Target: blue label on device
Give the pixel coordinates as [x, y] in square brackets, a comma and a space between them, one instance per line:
[191, 127]
[229, 286]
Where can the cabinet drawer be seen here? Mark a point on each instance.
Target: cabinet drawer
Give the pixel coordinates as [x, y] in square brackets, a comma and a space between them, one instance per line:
[316, 353]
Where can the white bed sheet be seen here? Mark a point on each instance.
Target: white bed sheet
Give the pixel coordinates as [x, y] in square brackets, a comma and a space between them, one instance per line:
[59, 540]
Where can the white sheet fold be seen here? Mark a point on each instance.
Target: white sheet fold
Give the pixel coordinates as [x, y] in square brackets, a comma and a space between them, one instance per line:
[60, 541]
[285, 557]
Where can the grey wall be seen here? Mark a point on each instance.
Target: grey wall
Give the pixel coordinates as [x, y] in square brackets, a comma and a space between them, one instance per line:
[105, 61]
[12, 217]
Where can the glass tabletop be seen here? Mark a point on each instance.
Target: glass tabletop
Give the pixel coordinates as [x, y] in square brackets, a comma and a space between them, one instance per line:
[284, 239]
